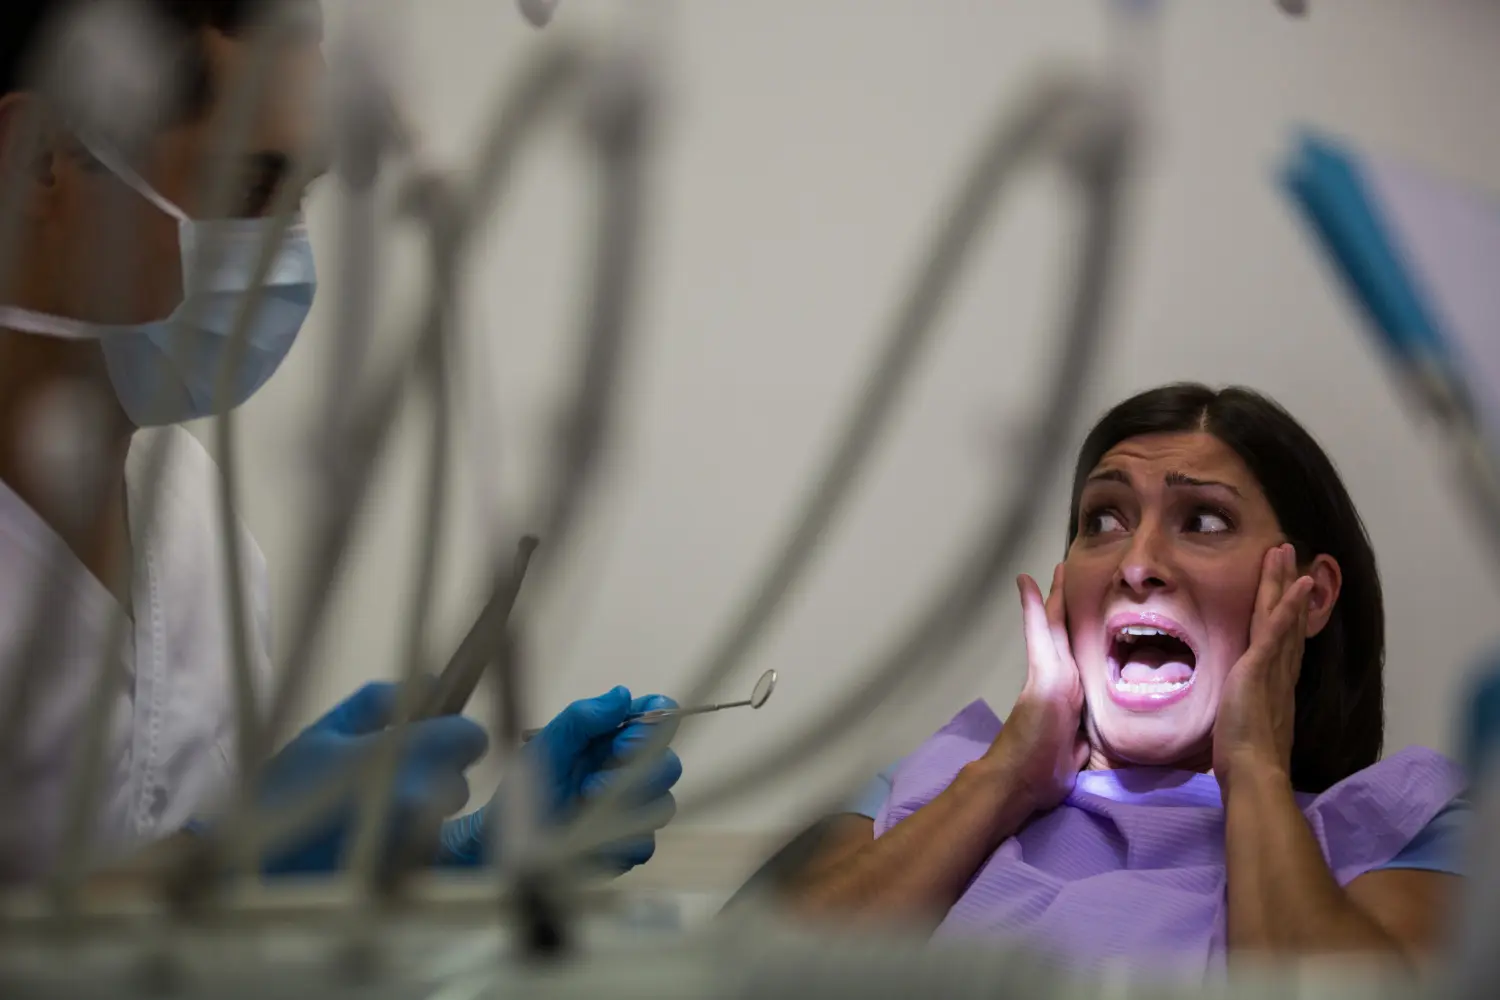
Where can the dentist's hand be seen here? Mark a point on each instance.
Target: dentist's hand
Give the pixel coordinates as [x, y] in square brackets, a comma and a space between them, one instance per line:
[578, 755]
[1042, 745]
[429, 778]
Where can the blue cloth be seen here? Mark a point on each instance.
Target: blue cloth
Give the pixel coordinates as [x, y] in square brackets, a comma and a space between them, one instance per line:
[870, 798]
[1438, 848]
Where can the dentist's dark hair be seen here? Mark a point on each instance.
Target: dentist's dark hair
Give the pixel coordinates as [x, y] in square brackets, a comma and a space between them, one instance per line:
[1340, 720]
[23, 23]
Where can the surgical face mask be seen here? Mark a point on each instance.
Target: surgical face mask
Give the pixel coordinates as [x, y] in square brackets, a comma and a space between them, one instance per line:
[165, 373]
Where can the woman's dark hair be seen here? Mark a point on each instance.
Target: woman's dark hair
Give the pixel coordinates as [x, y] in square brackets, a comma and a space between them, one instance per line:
[1340, 721]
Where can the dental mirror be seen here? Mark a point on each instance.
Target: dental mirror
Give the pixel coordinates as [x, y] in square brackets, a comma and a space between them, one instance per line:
[759, 695]
[763, 689]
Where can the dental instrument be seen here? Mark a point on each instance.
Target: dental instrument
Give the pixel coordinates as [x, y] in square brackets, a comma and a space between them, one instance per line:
[758, 697]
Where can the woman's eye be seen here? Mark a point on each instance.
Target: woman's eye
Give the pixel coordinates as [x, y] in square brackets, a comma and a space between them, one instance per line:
[1101, 522]
[1208, 522]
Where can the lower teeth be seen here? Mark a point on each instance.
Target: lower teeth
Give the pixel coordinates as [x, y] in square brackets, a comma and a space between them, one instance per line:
[1153, 687]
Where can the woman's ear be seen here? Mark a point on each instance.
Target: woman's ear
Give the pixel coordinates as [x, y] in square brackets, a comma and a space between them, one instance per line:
[1327, 579]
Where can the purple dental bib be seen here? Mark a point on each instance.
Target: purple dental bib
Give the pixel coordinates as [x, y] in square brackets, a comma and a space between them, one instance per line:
[1129, 869]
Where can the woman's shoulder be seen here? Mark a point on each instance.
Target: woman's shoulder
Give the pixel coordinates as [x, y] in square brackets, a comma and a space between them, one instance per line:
[1414, 773]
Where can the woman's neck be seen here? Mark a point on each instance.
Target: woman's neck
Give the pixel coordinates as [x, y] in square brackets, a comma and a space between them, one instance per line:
[1100, 759]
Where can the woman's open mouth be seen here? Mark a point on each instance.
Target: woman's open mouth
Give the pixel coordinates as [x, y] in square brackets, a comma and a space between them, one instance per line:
[1151, 662]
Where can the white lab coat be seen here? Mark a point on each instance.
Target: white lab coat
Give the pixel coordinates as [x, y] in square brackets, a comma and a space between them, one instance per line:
[172, 737]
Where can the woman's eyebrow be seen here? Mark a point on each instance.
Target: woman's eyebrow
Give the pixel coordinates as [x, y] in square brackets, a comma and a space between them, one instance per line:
[1110, 476]
[1180, 479]
[1171, 478]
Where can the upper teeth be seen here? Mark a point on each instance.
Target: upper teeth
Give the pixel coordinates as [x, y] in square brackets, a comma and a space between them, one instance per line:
[1132, 631]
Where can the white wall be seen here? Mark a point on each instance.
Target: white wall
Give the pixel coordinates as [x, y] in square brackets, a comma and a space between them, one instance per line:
[807, 147]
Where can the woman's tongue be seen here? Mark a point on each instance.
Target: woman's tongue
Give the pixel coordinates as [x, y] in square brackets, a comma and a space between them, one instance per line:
[1153, 665]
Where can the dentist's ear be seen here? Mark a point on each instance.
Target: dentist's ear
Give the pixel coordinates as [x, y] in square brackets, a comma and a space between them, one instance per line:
[40, 166]
[1327, 580]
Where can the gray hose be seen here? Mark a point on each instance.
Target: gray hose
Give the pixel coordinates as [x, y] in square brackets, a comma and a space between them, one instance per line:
[1011, 139]
[518, 112]
[369, 844]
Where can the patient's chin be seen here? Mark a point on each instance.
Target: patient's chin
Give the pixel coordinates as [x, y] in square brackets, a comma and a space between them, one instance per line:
[1136, 742]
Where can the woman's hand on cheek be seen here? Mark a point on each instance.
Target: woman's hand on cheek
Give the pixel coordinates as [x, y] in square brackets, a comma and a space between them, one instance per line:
[1042, 746]
[1257, 709]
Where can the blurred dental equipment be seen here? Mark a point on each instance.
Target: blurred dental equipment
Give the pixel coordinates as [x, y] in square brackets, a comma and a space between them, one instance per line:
[538, 12]
[455, 685]
[1080, 127]
[1421, 258]
[1418, 256]
[758, 697]
[535, 927]
[1482, 722]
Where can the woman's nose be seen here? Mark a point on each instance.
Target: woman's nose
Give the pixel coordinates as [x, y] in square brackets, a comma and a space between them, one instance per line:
[1145, 566]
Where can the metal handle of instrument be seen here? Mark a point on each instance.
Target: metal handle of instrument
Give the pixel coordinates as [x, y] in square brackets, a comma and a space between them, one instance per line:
[758, 697]
[652, 717]
[459, 679]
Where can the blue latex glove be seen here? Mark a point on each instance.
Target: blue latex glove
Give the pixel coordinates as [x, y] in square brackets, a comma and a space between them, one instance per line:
[429, 779]
[577, 755]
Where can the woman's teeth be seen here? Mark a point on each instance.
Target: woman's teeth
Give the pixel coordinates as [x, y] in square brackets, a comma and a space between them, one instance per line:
[1151, 687]
[1152, 668]
[1132, 632]
[1151, 662]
